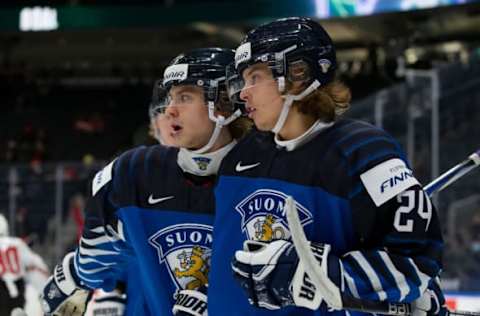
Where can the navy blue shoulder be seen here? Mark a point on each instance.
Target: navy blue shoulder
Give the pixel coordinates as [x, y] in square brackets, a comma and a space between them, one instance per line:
[132, 169]
[363, 145]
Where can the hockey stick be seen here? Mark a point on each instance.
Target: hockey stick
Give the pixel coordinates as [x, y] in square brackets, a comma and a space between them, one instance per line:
[332, 295]
[453, 174]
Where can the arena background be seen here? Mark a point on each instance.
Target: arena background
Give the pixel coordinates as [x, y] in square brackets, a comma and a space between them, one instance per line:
[76, 78]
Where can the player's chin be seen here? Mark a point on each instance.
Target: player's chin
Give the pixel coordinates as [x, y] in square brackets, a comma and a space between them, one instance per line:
[179, 141]
[172, 142]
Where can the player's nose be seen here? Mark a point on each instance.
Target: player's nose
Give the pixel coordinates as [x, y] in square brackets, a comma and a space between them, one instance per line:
[245, 94]
[171, 110]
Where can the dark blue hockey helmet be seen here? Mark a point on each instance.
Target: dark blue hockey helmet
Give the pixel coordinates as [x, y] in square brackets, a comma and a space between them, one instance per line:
[205, 68]
[284, 45]
[202, 67]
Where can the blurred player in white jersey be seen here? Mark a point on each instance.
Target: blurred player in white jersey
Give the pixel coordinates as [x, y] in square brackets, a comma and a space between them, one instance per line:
[18, 265]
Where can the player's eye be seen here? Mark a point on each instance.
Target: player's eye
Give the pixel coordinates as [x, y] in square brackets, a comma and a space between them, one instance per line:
[252, 79]
[255, 78]
[185, 98]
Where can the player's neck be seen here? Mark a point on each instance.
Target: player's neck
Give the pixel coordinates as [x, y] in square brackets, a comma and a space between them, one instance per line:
[296, 125]
[224, 139]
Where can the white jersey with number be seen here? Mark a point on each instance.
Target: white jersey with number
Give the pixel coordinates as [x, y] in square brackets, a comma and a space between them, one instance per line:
[18, 261]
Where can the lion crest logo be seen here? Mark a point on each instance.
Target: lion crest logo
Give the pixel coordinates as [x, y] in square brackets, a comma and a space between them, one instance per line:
[193, 265]
[265, 230]
[202, 162]
[264, 217]
[186, 250]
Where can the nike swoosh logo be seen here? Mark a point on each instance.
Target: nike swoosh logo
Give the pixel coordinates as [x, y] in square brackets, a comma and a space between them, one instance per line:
[240, 168]
[152, 200]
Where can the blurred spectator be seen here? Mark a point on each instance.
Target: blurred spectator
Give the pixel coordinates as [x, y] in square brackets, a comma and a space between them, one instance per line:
[76, 216]
[89, 123]
[27, 146]
[22, 225]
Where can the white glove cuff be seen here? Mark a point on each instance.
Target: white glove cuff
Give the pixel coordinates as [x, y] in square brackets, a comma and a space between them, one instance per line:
[63, 276]
[304, 292]
[192, 302]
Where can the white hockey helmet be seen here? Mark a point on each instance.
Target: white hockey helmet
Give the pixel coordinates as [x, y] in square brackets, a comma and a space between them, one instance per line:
[3, 226]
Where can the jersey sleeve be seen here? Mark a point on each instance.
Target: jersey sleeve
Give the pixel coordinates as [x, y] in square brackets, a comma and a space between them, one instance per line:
[102, 253]
[400, 244]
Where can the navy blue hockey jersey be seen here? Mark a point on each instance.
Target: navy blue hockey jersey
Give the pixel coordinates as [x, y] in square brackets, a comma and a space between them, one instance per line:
[353, 190]
[147, 220]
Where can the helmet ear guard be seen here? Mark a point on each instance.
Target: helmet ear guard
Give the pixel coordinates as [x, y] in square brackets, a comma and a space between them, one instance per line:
[298, 71]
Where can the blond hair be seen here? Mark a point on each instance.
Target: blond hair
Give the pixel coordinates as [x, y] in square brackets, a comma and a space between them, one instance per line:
[326, 103]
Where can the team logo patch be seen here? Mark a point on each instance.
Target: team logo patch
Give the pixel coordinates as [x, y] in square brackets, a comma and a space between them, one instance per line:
[264, 217]
[102, 177]
[186, 250]
[202, 162]
[387, 179]
[324, 64]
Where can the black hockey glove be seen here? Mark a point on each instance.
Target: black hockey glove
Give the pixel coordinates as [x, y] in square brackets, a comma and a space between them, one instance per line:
[273, 276]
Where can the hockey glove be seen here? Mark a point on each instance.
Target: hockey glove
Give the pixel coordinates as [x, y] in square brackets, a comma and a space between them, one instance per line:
[17, 311]
[431, 303]
[107, 303]
[61, 295]
[273, 276]
[191, 303]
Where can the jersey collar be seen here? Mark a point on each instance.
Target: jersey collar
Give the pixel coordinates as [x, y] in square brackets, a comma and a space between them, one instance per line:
[202, 164]
[292, 144]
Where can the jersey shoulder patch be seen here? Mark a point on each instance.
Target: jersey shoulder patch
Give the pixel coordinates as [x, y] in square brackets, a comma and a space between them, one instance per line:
[387, 179]
[102, 177]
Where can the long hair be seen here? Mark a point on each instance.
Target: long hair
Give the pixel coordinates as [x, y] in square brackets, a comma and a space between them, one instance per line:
[326, 103]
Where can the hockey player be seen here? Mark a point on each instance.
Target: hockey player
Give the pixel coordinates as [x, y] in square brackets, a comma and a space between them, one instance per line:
[373, 231]
[114, 302]
[155, 205]
[18, 265]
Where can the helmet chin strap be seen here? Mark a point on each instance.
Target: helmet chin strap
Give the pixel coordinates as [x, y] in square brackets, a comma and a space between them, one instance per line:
[201, 163]
[289, 99]
[220, 122]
